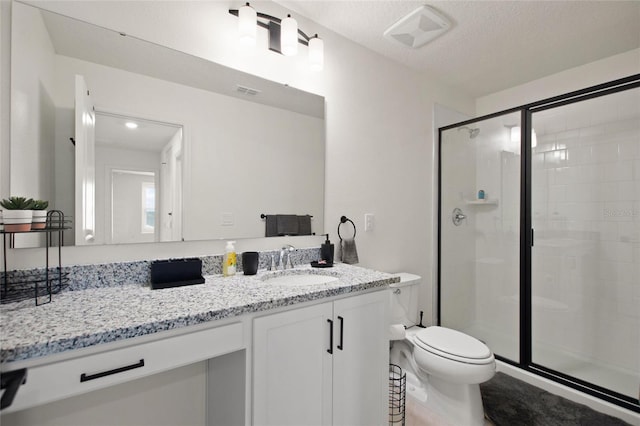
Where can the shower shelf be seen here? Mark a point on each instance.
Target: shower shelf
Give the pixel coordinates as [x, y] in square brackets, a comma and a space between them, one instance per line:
[488, 202]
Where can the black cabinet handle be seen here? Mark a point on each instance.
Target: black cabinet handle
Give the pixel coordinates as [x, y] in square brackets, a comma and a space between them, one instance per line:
[340, 346]
[86, 377]
[330, 350]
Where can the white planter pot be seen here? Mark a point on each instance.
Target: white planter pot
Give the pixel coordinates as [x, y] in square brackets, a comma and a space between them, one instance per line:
[39, 220]
[17, 220]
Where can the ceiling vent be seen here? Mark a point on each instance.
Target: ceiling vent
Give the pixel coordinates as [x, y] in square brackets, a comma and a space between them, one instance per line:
[419, 27]
[247, 90]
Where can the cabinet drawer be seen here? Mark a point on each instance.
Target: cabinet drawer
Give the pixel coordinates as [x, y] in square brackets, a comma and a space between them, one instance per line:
[51, 382]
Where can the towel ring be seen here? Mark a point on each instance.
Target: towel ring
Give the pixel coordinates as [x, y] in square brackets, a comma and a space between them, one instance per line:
[345, 219]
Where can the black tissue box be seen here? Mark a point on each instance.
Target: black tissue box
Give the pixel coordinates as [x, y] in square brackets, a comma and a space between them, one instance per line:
[175, 273]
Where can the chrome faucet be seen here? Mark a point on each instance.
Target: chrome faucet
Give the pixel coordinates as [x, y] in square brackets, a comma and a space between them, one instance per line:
[286, 250]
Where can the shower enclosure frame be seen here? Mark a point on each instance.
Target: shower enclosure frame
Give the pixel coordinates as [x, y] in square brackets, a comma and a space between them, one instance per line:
[527, 237]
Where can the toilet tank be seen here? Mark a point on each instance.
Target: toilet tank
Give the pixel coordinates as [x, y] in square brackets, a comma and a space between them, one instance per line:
[404, 299]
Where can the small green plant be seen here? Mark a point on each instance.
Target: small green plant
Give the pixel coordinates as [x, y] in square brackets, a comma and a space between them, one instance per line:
[17, 203]
[39, 205]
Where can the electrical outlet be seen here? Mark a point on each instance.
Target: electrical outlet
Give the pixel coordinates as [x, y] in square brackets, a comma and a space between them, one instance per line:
[369, 222]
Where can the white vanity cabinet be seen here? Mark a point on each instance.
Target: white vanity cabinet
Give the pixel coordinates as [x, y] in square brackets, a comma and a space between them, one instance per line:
[323, 364]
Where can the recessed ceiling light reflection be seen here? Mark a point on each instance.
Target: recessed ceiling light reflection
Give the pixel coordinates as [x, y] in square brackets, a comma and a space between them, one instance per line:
[131, 125]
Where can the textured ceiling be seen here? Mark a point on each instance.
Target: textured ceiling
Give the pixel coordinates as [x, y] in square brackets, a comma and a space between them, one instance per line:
[492, 45]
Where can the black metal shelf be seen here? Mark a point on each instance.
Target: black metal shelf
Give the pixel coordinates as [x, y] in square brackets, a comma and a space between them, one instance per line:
[34, 231]
[41, 284]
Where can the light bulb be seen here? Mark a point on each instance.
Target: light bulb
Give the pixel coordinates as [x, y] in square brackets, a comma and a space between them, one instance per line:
[289, 36]
[316, 53]
[247, 25]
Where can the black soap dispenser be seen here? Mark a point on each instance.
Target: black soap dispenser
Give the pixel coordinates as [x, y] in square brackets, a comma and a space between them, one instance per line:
[326, 251]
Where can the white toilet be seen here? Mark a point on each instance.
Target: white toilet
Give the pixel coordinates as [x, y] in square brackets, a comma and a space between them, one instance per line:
[444, 366]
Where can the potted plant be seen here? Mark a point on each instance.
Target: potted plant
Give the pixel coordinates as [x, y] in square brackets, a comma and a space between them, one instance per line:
[17, 214]
[39, 208]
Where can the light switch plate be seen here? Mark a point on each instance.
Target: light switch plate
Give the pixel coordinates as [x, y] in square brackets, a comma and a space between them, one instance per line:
[369, 222]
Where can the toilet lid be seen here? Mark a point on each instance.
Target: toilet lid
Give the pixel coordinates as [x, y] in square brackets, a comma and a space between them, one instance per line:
[452, 342]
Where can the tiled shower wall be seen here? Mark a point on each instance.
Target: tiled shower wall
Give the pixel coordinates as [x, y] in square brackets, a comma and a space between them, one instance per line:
[586, 216]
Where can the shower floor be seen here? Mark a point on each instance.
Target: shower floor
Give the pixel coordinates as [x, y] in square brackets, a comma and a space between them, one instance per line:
[619, 380]
[625, 382]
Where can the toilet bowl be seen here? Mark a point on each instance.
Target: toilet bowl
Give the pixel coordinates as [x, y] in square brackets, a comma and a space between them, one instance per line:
[449, 364]
[452, 355]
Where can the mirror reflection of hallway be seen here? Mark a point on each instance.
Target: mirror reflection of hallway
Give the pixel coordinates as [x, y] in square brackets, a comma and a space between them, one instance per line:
[138, 179]
[133, 207]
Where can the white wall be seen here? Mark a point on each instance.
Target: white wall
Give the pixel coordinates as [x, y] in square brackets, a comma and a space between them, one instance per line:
[32, 109]
[608, 69]
[33, 114]
[5, 96]
[379, 143]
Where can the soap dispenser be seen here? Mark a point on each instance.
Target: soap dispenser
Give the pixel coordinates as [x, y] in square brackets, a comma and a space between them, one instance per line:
[229, 261]
[326, 251]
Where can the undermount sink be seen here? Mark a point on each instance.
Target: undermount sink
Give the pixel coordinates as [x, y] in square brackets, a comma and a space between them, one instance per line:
[299, 278]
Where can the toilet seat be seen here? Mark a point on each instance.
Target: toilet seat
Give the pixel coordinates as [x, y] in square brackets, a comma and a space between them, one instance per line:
[453, 345]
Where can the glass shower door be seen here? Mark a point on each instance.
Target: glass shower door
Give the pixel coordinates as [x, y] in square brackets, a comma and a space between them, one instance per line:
[585, 287]
[479, 255]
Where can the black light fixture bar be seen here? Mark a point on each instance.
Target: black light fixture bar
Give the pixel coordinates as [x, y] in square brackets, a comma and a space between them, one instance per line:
[273, 26]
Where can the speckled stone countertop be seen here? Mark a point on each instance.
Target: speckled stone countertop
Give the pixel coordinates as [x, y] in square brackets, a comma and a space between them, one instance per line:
[80, 319]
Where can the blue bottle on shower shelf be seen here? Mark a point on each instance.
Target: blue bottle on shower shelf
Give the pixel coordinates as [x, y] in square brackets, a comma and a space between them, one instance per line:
[481, 194]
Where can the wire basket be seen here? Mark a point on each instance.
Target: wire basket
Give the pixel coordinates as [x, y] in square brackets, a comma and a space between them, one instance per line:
[397, 395]
[35, 284]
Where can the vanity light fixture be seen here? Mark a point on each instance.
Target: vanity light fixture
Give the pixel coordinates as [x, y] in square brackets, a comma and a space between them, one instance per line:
[289, 36]
[247, 18]
[131, 125]
[316, 53]
[284, 34]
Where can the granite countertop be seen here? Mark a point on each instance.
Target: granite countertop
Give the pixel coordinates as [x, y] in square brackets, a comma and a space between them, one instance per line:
[80, 319]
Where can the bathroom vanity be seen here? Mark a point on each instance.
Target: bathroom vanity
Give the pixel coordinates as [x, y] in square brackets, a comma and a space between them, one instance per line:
[270, 353]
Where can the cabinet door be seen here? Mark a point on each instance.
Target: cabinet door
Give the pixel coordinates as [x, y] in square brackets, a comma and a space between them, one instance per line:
[292, 368]
[361, 358]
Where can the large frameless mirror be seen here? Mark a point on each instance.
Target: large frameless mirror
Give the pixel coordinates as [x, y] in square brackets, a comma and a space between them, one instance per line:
[227, 146]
